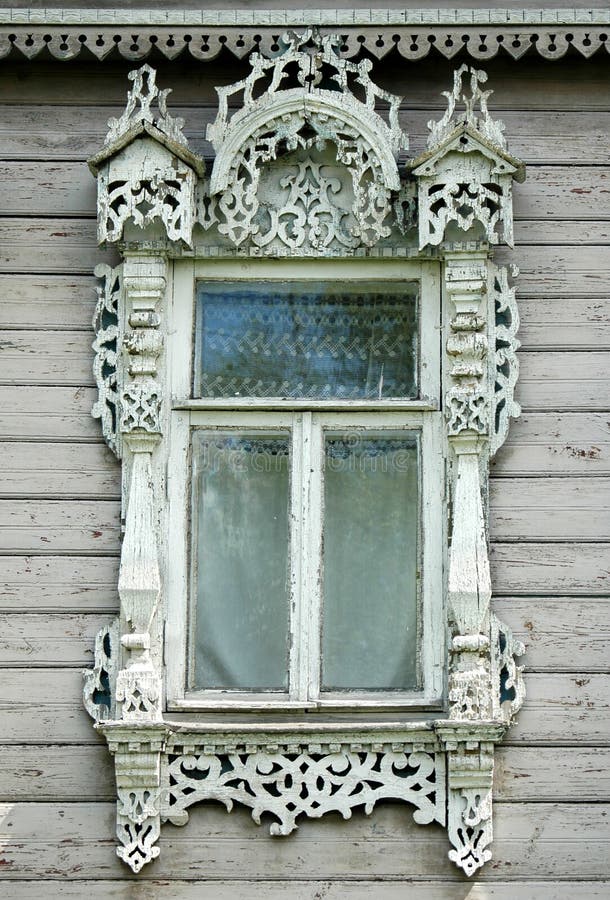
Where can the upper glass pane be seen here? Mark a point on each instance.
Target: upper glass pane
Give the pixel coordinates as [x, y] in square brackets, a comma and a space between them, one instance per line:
[306, 339]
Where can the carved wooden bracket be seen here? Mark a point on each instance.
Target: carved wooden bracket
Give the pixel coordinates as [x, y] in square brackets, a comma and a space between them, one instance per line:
[306, 167]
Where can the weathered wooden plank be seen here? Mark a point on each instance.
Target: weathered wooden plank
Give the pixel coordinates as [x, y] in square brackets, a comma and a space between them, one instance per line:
[43, 705]
[309, 890]
[563, 192]
[73, 133]
[58, 357]
[555, 444]
[52, 301]
[53, 470]
[563, 569]
[547, 774]
[557, 381]
[526, 86]
[64, 246]
[564, 709]
[560, 634]
[60, 188]
[55, 773]
[52, 526]
[39, 639]
[567, 231]
[550, 509]
[531, 839]
[560, 271]
[552, 774]
[59, 583]
[571, 324]
[48, 413]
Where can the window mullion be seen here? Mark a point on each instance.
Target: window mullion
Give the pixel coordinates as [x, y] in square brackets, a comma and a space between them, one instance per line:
[298, 649]
[312, 550]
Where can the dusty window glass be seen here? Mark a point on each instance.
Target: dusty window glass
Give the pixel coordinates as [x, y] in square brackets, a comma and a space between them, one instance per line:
[307, 339]
[240, 560]
[370, 557]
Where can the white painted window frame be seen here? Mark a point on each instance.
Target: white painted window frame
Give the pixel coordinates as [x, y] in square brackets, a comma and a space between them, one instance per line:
[421, 415]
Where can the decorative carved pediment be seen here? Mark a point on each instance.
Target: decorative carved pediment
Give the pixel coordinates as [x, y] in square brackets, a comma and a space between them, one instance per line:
[465, 176]
[145, 172]
[306, 99]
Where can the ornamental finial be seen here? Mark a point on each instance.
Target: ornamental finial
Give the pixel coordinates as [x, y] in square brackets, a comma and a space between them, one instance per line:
[483, 123]
[141, 99]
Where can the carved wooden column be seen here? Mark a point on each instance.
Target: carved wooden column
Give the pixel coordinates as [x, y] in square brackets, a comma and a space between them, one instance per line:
[146, 195]
[470, 768]
[464, 184]
[139, 684]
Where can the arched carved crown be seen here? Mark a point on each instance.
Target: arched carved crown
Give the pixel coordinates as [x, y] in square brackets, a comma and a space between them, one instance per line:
[305, 99]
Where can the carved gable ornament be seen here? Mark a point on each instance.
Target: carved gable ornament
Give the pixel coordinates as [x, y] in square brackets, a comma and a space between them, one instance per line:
[306, 166]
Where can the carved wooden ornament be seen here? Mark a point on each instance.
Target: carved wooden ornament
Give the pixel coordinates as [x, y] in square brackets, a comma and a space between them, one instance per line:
[306, 167]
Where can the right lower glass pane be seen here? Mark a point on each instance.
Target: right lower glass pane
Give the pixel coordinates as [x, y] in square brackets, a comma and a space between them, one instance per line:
[370, 562]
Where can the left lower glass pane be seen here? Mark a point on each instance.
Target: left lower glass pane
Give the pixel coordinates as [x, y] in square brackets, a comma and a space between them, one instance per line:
[240, 561]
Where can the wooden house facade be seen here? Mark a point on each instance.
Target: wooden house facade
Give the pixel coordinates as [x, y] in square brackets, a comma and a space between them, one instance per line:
[63, 76]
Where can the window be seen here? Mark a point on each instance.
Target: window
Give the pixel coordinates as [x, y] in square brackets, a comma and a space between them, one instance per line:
[306, 436]
[306, 363]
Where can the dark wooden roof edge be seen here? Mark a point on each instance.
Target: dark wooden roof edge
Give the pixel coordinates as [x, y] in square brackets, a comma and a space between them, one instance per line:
[203, 33]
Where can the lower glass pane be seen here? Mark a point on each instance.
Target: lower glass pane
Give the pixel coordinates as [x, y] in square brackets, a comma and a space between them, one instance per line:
[371, 511]
[240, 556]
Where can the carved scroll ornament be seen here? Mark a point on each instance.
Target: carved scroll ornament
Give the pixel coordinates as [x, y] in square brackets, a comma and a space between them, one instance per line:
[305, 166]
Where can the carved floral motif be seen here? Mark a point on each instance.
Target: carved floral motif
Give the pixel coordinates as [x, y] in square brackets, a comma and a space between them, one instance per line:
[141, 102]
[141, 408]
[459, 96]
[509, 686]
[99, 689]
[506, 368]
[140, 693]
[308, 213]
[472, 833]
[146, 173]
[288, 785]
[465, 177]
[107, 343]
[137, 835]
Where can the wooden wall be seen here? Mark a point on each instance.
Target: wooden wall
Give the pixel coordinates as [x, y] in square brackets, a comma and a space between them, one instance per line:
[59, 518]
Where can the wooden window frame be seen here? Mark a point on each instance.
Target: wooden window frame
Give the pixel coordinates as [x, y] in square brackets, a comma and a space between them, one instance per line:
[422, 415]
